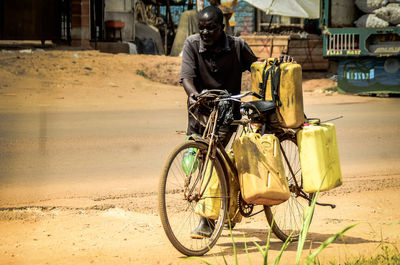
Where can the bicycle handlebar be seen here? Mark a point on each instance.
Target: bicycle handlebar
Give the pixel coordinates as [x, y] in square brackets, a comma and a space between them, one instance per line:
[246, 94]
[209, 98]
[217, 94]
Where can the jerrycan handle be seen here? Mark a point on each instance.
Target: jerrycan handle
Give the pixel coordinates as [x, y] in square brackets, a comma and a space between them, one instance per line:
[313, 121]
[263, 85]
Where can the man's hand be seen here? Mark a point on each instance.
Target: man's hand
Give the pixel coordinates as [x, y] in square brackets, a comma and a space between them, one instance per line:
[190, 90]
[284, 58]
[193, 98]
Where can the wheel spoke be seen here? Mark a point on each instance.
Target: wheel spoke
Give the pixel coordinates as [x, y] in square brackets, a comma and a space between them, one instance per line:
[288, 216]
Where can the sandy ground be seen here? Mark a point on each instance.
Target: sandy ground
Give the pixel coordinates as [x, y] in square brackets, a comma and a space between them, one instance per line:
[124, 228]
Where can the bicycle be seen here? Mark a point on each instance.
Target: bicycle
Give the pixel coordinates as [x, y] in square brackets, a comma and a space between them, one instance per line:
[183, 190]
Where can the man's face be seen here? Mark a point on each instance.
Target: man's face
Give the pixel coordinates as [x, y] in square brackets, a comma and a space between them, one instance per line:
[210, 29]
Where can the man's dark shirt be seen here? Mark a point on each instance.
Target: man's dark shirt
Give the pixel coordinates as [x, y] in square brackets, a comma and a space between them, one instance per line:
[216, 69]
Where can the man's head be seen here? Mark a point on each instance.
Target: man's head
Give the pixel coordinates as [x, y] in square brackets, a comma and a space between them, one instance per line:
[211, 25]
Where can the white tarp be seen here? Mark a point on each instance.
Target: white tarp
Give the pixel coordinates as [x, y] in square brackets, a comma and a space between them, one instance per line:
[288, 8]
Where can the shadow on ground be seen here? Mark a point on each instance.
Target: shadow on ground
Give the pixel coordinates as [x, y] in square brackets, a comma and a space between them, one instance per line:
[314, 240]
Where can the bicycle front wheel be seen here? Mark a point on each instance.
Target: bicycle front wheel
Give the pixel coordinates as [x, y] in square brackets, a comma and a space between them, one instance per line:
[192, 186]
[287, 218]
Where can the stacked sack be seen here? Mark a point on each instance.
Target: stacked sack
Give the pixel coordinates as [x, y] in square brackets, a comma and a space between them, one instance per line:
[379, 13]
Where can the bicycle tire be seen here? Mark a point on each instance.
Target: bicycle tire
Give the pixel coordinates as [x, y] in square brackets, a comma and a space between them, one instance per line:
[286, 218]
[178, 215]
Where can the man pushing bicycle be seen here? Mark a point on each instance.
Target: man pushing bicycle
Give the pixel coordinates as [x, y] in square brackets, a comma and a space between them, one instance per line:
[213, 60]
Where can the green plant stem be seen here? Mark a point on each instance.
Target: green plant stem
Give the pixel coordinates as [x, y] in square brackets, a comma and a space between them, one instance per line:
[306, 225]
[327, 242]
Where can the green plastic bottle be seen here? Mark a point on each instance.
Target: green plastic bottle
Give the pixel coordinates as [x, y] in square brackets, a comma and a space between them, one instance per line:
[189, 162]
[189, 159]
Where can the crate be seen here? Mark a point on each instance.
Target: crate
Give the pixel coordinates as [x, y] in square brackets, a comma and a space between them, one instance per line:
[306, 50]
[265, 46]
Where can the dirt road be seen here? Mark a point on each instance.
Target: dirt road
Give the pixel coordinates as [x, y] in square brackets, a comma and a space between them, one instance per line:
[82, 142]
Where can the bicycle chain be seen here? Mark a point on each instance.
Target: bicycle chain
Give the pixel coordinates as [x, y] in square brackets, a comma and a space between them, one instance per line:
[245, 209]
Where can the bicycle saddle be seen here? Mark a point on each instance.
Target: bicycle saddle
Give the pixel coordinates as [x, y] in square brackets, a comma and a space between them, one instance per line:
[260, 106]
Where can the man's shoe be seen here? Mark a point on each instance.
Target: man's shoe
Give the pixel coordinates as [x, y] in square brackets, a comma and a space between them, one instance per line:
[204, 229]
[226, 225]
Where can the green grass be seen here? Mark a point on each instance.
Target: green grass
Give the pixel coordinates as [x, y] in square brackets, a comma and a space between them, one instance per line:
[389, 255]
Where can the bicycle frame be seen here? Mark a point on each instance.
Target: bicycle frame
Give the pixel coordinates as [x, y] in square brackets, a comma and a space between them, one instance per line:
[215, 151]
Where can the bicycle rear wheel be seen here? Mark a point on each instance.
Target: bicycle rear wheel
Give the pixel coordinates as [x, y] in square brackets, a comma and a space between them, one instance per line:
[286, 218]
[180, 214]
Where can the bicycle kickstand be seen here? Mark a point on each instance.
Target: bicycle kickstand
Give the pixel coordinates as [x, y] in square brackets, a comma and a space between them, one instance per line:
[333, 206]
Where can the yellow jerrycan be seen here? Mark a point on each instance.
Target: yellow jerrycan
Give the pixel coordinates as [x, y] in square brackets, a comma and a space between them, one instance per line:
[319, 157]
[260, 168]
[289, 94]
[209, 207]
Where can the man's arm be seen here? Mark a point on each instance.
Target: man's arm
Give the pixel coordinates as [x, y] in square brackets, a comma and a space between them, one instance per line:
[188, 69]
[190, 89]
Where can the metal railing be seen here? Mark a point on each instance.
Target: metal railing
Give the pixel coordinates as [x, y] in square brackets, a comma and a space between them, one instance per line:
[346, 43]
